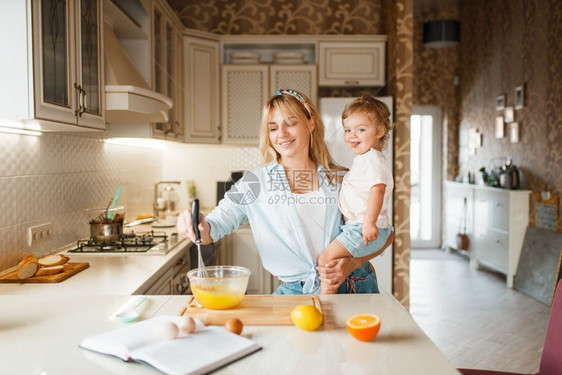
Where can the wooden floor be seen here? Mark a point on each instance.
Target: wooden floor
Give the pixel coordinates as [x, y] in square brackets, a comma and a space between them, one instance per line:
[473, 317]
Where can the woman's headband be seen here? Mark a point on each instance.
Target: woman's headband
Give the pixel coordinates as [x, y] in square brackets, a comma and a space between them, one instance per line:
[297, 96]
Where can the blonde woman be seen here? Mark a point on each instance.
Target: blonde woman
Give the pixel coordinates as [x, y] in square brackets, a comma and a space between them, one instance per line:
[291, 203]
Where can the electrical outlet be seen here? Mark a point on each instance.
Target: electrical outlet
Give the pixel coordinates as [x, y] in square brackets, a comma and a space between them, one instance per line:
[39, 233]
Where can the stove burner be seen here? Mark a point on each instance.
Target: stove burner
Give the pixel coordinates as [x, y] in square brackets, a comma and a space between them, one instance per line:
[105, 247]
[129, 243]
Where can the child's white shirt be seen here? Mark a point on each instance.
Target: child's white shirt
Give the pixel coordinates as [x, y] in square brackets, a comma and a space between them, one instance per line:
[367, 170]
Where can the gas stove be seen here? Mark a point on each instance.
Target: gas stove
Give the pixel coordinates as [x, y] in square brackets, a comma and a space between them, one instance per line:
[149, 243]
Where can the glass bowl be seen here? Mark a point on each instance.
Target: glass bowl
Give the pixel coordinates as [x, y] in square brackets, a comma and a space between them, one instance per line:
[223, 288]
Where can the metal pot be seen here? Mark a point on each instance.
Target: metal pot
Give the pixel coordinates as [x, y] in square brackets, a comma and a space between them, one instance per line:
[106, 224]
[509, 177]
[106, 232]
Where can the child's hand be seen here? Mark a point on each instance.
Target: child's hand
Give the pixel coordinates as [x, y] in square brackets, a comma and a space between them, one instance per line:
[370, 233]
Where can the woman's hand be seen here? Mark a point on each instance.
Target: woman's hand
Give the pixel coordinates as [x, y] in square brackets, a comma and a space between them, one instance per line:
[185, 228]
[334, 273]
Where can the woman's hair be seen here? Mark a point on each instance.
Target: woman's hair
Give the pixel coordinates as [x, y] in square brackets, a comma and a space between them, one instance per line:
[377, 112]
[293, 103]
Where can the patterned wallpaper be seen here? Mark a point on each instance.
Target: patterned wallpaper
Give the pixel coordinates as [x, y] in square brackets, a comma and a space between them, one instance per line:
[281, 17]
[435, 70]
[400, 60]
[506, 44]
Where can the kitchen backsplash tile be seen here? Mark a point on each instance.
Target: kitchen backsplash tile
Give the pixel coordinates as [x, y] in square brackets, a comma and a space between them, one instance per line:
[7, 202]
[206, 164]
[38, 155]
[8, 156]
[8, 250]
[55, 177]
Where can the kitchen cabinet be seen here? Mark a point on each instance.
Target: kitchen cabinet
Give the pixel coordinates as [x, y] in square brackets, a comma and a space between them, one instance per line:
[56, 52]
[239, 249]
[201, 98]
[245, 88]
[501, 219]
[162, 286]
[496, 222]
[352, 63]
[172, 278]
[167, 47]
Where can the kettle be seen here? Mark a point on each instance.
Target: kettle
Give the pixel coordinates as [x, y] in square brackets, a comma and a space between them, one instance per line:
[509, 176]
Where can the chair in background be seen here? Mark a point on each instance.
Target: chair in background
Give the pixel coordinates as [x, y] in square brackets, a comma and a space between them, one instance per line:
[551, 360]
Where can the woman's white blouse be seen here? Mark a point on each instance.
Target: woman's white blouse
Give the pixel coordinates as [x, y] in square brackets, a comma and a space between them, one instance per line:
[263, 198]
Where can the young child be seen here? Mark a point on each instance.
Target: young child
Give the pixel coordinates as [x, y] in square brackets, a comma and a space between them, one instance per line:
[366, 188]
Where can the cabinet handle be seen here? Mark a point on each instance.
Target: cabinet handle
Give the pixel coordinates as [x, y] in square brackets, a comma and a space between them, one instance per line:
[180, 262]
[351, 82]
[79, 109]
[83, 102]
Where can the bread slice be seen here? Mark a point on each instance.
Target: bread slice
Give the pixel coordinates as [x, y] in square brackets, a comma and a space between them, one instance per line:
[44, 271]
[53, 260]
[27, 268]
[29, 257]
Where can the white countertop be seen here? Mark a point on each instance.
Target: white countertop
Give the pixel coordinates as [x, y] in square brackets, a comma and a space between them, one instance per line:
[108, 274]
[40, 335]
[486, 187]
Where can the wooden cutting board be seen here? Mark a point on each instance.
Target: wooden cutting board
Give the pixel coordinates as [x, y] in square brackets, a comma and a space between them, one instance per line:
[69, 270]
[256, 310]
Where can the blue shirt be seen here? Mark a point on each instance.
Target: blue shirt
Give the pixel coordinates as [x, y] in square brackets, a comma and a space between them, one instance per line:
[263, 198]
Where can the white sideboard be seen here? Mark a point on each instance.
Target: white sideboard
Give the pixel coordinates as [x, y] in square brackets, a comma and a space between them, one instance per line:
[496, 224]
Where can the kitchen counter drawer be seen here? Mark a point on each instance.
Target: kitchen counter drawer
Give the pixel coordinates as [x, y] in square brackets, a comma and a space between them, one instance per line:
[491, 248]
[496, 223]
[492, 208]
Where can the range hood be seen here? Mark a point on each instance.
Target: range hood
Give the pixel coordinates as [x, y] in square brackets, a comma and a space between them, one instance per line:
[128, 97]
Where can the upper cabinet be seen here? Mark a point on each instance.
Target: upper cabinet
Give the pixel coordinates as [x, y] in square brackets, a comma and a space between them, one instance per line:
[64, 69]
[247, 87]
[253, 69]
[352, 63]
[244, 90]
[167, 69]
[201, 95]
[67, 54]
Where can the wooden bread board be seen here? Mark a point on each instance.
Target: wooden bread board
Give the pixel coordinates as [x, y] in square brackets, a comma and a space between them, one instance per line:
[258, 310]
[69, 270]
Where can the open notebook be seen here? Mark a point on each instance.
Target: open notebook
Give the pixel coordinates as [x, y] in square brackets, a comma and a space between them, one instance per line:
[204, 350]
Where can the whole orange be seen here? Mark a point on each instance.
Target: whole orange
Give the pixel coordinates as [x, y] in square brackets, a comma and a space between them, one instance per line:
[364, 327]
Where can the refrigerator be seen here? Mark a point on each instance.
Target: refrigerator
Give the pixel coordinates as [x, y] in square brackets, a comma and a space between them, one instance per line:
[331, 110]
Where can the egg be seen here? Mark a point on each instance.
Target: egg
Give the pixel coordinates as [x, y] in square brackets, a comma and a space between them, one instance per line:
[165, 330]
[234, 325]
[186, 324]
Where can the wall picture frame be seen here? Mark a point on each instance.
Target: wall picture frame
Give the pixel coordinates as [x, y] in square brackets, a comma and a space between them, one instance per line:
[514, 132]
[499, 127]
[509, 115]
[520, 97]
[500, 102]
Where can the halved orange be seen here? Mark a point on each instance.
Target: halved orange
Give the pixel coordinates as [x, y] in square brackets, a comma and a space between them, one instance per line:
[364, 327]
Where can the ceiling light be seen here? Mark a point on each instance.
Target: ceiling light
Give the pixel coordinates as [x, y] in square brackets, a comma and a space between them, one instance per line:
[441, 33]
[136, 142]
[19, 131]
